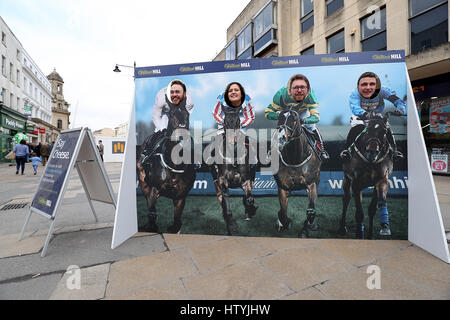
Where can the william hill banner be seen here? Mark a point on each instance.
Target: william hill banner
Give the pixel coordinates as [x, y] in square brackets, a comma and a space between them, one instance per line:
[274, 147]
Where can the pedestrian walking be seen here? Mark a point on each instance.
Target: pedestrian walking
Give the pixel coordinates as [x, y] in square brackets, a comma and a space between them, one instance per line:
[44, 153]
[101, 148]
[35, 161]
[22, 151]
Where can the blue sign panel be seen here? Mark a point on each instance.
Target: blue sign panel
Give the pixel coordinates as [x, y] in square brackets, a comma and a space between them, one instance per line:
[52, 181]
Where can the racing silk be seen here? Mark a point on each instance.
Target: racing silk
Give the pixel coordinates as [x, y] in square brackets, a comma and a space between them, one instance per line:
[160, 108]
[246, 115]
[359, 105]
[309, 108]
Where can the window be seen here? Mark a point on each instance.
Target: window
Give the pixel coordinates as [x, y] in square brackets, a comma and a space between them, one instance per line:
[18, 77]
[59, 125]
[11, 72]
[336, 43]
[307, 15]
[333, 6]
[309, 50]
[230, 51]
[4, 66]
[244, 40]
[429, 23]
[373, 31]
[4, 38]
[3, 95]
[11, 100]
[264, 29]
[18, 55]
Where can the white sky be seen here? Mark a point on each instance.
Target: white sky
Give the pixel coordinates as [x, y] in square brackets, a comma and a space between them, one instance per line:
[84, 39]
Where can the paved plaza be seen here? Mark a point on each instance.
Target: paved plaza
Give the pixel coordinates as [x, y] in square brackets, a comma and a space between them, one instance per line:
[168, 266]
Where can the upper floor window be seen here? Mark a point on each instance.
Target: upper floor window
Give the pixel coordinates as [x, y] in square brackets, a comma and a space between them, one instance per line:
[4, 66]
[244, 40]
[264, 20]
[336, 43]
[429, 23]
[307, 15]
[333, 6]
[4, 38]
[309, 50]
[230, 51]
[373, 31]
[11, 72]
[59, 124]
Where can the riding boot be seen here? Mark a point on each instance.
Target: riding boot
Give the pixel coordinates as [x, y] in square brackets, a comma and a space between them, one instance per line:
[354, 132]
[319, 143]
[397, 155]
[152, 145]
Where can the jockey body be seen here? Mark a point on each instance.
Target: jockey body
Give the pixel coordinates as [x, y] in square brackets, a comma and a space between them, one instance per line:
[368, 99]
[298, 91]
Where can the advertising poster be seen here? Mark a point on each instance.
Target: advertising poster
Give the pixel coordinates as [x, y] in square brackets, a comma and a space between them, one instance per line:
[255, 147]
[440, 116]
[439, 162]
[50, 186]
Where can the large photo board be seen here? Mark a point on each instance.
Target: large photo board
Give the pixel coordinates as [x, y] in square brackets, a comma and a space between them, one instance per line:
[274, 147]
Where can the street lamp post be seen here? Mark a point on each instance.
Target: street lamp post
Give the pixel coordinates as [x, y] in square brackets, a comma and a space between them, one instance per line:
[116, 69]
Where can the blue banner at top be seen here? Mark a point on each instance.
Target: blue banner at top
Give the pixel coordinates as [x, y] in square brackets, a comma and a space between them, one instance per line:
[394, 56]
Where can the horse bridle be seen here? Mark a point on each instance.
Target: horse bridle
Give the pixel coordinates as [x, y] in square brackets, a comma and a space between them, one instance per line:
[296, 124]
[377, 141]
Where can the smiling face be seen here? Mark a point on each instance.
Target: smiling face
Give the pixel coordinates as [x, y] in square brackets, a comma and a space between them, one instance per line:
[235, 95]
[367, 87]
[177, 94]
[298, 90]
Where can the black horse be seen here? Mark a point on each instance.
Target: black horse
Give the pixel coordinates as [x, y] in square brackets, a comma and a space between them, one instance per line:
[237, 171]
[371, 165]
[159, 176]
[299, 167]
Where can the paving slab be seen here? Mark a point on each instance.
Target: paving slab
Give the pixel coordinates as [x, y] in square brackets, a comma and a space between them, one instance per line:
[247, 281]
[38, 288]
[307, 294]
[353, 286]
[128, 276]
[84, 248]
[11, 246]
[167, 290]
[219, 254]
[92, 284]
[305, 267]
[421, 268]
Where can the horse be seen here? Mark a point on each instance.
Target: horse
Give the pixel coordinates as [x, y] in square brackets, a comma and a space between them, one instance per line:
[371, 165]
[159, 176]
[299, 167]
[235, 172]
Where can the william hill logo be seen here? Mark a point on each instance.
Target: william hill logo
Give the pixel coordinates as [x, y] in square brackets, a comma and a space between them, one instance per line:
[190, 69]
[237, 65]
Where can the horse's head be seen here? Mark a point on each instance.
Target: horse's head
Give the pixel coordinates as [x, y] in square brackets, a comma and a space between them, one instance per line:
[289, 123]
[178, 116]
[231, 119]
[375, 137]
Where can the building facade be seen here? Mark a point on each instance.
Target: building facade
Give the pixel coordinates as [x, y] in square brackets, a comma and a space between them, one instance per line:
[12, 119]
[299, 27]
[60, 108]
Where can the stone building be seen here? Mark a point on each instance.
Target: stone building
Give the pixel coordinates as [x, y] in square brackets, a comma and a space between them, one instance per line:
[60, 108]
[300, 27]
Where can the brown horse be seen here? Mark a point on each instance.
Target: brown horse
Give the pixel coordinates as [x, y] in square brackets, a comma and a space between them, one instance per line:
[159, 176]
[236, 171]
[370, 166]
[299, 167]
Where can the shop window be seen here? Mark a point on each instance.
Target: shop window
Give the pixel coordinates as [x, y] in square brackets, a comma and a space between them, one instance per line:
[428, 23]
[307, 51]
[373, 31]
[333, 6]
[307, 15]
[336, 43]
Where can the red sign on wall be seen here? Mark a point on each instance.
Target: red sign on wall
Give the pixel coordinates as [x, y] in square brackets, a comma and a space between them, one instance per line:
[41, 130]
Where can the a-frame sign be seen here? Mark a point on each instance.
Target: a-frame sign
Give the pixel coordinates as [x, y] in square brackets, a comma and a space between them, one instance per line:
[73, 148]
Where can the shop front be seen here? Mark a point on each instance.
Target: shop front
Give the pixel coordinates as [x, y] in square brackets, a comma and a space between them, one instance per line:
[432, 97]
[11, 123]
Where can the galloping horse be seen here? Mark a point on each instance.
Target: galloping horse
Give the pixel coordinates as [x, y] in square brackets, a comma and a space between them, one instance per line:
[371, 165]
[159, 176]
[299, 167]
[234, 172]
